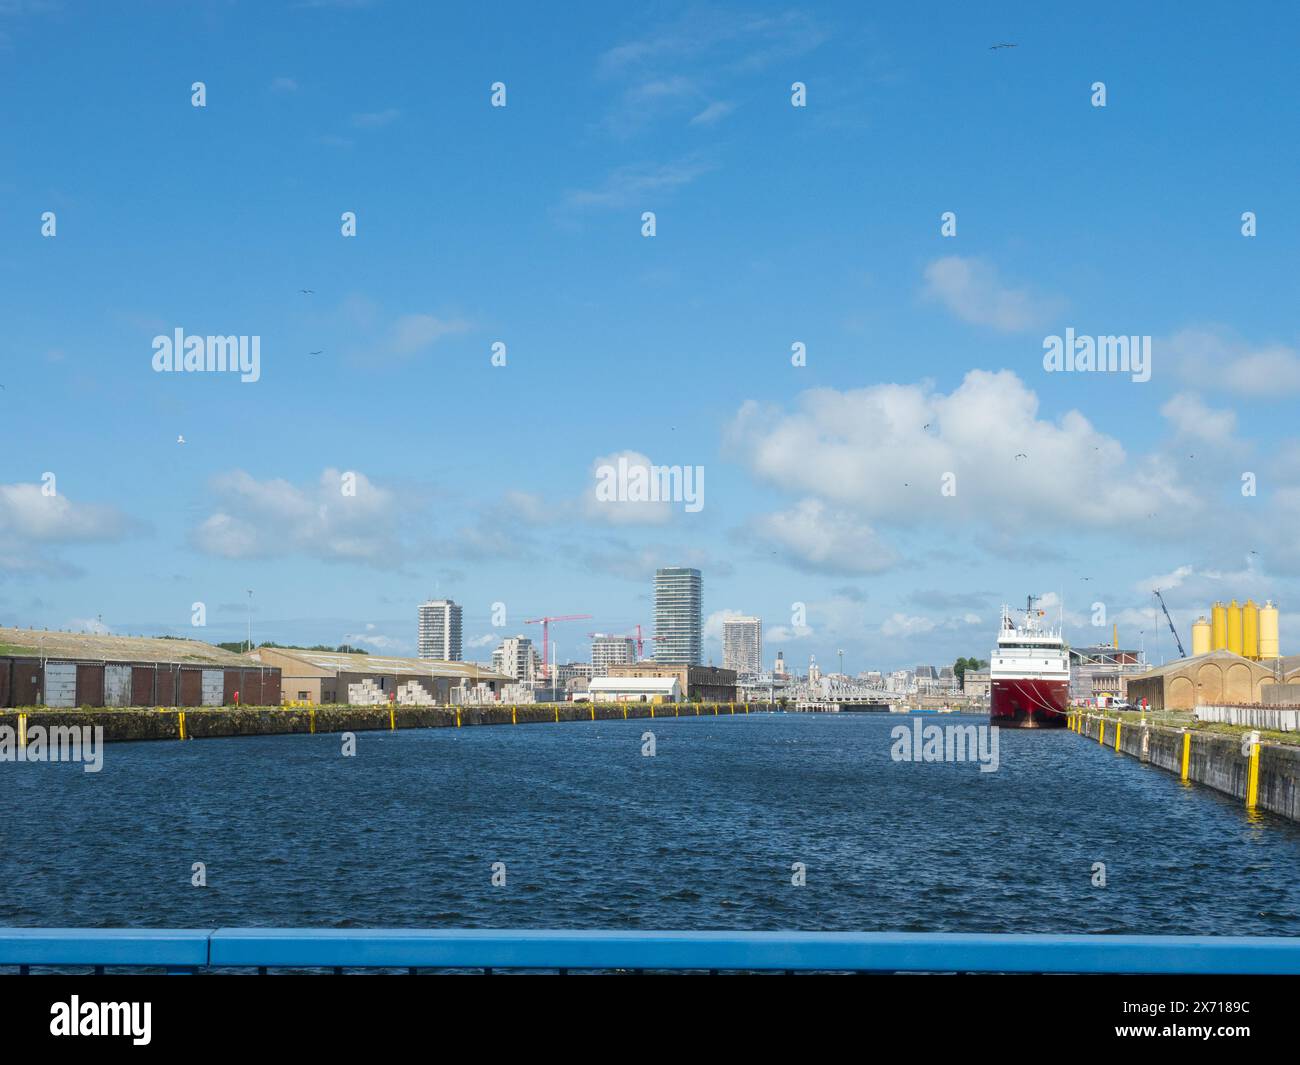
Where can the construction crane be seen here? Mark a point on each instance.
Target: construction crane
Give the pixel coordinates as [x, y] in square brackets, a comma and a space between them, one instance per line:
[546, 635]
[1181, 652]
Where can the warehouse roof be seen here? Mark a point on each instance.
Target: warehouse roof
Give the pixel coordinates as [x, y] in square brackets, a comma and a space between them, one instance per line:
[343, 662]
[1289, 663]
[97, 647]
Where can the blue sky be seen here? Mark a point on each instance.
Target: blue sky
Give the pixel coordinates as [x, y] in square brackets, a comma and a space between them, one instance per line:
[774, 225]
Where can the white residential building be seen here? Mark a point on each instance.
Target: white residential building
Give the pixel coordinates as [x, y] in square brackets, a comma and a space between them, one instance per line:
[679, 626]
[516, 657]
[440, 630]
[609, 651]
[742, 645]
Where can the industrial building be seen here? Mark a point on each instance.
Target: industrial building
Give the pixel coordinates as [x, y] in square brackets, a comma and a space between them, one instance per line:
[708, 684]
[634, 690]
[366, 680]
[1213, 679]
[1099, 675]
[40, 668]
[1235, 658]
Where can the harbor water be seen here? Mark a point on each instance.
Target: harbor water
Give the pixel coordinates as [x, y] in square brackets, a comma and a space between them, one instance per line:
[592, 833]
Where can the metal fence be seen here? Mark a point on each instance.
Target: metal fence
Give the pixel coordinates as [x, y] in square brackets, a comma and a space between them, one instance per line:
[260, 949]
[1278, 720]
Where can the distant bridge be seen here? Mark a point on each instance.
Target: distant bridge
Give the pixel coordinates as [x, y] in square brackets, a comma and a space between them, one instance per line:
[840, 698]
[843, 705]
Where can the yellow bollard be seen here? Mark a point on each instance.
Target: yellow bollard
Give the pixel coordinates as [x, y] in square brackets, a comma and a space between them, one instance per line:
[625, 711]
[733, 709]
[313, 721]
[557, 713]
[22, 731]
[458, 717]
[514, 717]
[715, 709]
[593, 711]
[676, 712]
[1118, 726]
[652, 711]
[1101, 733]
[697, 711]
[180, 721]
[1252, 778]
[1187, 754]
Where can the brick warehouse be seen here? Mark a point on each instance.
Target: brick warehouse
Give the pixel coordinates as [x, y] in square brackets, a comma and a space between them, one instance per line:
[39, 668]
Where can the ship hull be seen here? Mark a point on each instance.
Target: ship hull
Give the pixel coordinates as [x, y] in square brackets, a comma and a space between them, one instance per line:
[1023, 702]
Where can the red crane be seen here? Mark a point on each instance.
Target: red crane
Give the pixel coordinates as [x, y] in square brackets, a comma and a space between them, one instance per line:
[546, 635]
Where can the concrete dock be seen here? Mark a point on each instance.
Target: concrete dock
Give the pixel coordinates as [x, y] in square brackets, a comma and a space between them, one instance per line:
[1263, 776]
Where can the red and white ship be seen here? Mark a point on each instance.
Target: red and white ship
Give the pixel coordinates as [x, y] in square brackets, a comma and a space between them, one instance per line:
[1029, 673]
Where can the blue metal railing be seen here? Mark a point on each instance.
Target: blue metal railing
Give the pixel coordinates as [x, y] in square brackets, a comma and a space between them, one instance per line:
[191, 949]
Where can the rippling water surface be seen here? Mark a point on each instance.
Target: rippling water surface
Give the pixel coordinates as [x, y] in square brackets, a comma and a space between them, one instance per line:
[593, 834]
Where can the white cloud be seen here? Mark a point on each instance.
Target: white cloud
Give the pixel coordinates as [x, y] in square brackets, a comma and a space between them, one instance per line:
[284, 85]
[714, 113]
[1213, 359]
[920, 625]
[266, 519]
[32, 522]
[972, 290]
[413, 333]
[637, 186]
[814, 537]
[378, 642]
[1191, 418]
[375, 119]
[622, 511]
[883, 452]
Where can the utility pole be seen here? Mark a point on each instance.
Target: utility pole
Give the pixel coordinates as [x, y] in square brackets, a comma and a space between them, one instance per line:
[250, 621]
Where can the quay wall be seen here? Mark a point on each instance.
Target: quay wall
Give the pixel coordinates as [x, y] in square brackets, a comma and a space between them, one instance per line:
[1214, 760]
[174, 723]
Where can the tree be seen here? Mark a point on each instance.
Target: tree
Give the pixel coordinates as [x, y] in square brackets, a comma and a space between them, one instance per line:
[960, 667]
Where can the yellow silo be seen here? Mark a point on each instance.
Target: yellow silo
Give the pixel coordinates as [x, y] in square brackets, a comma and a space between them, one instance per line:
[1268, 641]
[1218, 627]
[1234, 627]
[1250, 630]
[1200, 636]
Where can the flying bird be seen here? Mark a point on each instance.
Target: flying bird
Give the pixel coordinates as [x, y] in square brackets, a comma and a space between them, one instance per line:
[316, 352]
[995, 47]
[307, 291]
[1022, 455]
